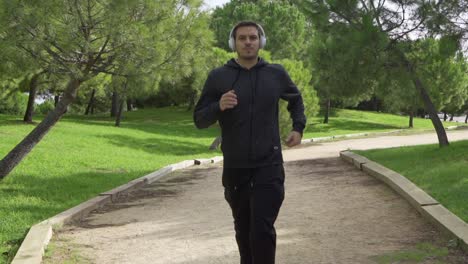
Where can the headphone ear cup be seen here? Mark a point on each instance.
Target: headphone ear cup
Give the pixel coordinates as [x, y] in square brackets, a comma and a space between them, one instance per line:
[232, 44]
[262, 42]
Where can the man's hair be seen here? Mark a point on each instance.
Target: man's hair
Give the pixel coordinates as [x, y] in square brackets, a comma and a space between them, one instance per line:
[246, 24]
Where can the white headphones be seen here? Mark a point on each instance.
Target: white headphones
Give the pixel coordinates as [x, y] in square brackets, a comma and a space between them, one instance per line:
[232, 41]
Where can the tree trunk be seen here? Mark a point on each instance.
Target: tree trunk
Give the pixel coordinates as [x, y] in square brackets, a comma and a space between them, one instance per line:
[327, 111]
[375, 103]
[121, 106]
[115, 104]
[216, 143]
[9, 162]
[411, 117]
[192, 100]
[129, 105]
[430, 108]
[56, 100]
[451, 117]
[119, 113]
[445, 116]
[32, 96]
[91, 102]
[466, 119]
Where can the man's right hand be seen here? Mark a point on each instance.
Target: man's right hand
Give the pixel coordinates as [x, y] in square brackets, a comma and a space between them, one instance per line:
[228, 100]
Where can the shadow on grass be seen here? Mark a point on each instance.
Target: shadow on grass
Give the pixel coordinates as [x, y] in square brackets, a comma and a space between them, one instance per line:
[28, 200]
[172, 146]
[16, 122]
[184, 127]
[175, 128]
[349, 125]
[163, 121]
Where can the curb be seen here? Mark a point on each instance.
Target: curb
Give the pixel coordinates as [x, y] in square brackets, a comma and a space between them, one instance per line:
[319, 139]
[34, 244]
[426, 205]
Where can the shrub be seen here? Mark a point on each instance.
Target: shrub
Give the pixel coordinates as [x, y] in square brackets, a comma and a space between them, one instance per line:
[14, 104]
[45, 107]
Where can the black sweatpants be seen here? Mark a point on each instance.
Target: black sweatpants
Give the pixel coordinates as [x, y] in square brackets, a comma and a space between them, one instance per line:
[255, 196]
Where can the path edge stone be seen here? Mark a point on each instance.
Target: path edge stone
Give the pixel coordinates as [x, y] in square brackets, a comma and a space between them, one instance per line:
[366, 134]
[425, 204]
[347, 136]
[38, 237]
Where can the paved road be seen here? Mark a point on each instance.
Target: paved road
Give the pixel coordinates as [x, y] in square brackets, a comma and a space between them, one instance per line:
[332, 213]
[332, 149]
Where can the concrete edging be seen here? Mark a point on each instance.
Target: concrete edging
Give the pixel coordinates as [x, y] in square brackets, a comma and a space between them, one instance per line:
[426, 205]
[33, 247]
[319, 139]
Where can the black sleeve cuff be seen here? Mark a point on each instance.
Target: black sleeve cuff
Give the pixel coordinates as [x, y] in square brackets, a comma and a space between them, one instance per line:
[298, 127]
[215, 109]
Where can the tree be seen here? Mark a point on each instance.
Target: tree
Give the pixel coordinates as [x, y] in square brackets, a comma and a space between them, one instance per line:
[398, 96]
[93, 97]
[189, 62]
[455, 86]
[80, 39]
[443, 68]
[13, 100]
[444, 75]
[389, 23]
[343, 64]
[284, 24]
[183, 89]
[301, 76]
[17, 65]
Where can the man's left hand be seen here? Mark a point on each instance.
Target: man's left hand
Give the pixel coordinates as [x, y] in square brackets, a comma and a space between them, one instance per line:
[293, 139]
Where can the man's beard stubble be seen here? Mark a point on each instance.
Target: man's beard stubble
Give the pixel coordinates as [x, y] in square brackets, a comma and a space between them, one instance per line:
[252, 56]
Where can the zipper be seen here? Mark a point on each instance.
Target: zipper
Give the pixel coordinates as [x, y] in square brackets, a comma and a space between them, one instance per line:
[251, 110]
[252, 102]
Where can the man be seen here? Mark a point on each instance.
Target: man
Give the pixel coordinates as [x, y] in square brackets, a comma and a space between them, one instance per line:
[243, 96]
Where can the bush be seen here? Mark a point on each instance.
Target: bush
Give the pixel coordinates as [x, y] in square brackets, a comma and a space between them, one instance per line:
[15, 104]
[45, 107]
[301, 76]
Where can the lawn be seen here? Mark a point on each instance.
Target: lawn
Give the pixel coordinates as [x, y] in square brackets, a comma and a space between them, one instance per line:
[441, 172]
[85, 155]
[344, 121]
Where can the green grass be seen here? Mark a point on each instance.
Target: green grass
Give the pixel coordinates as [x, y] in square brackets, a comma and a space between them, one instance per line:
[343, 121]
[83, 156]
[441, 172]
[422, 251]
[64, 251]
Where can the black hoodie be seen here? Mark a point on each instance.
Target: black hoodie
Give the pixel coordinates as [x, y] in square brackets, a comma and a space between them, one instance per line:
[250, 132]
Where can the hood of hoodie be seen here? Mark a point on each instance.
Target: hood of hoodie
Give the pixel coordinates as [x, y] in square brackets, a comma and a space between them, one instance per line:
[233, 64]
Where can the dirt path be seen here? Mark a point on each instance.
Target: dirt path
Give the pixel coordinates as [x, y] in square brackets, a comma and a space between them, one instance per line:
[332, 213]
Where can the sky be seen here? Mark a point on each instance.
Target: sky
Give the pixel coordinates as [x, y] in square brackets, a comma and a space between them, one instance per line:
[210, 4]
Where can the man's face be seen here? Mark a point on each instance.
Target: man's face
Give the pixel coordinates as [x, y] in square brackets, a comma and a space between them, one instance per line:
[247, 42]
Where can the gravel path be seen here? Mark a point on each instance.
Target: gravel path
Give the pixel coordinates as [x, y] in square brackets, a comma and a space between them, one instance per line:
[332, 213]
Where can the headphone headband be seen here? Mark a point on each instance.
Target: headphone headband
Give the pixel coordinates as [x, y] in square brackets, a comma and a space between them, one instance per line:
[232, 41]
